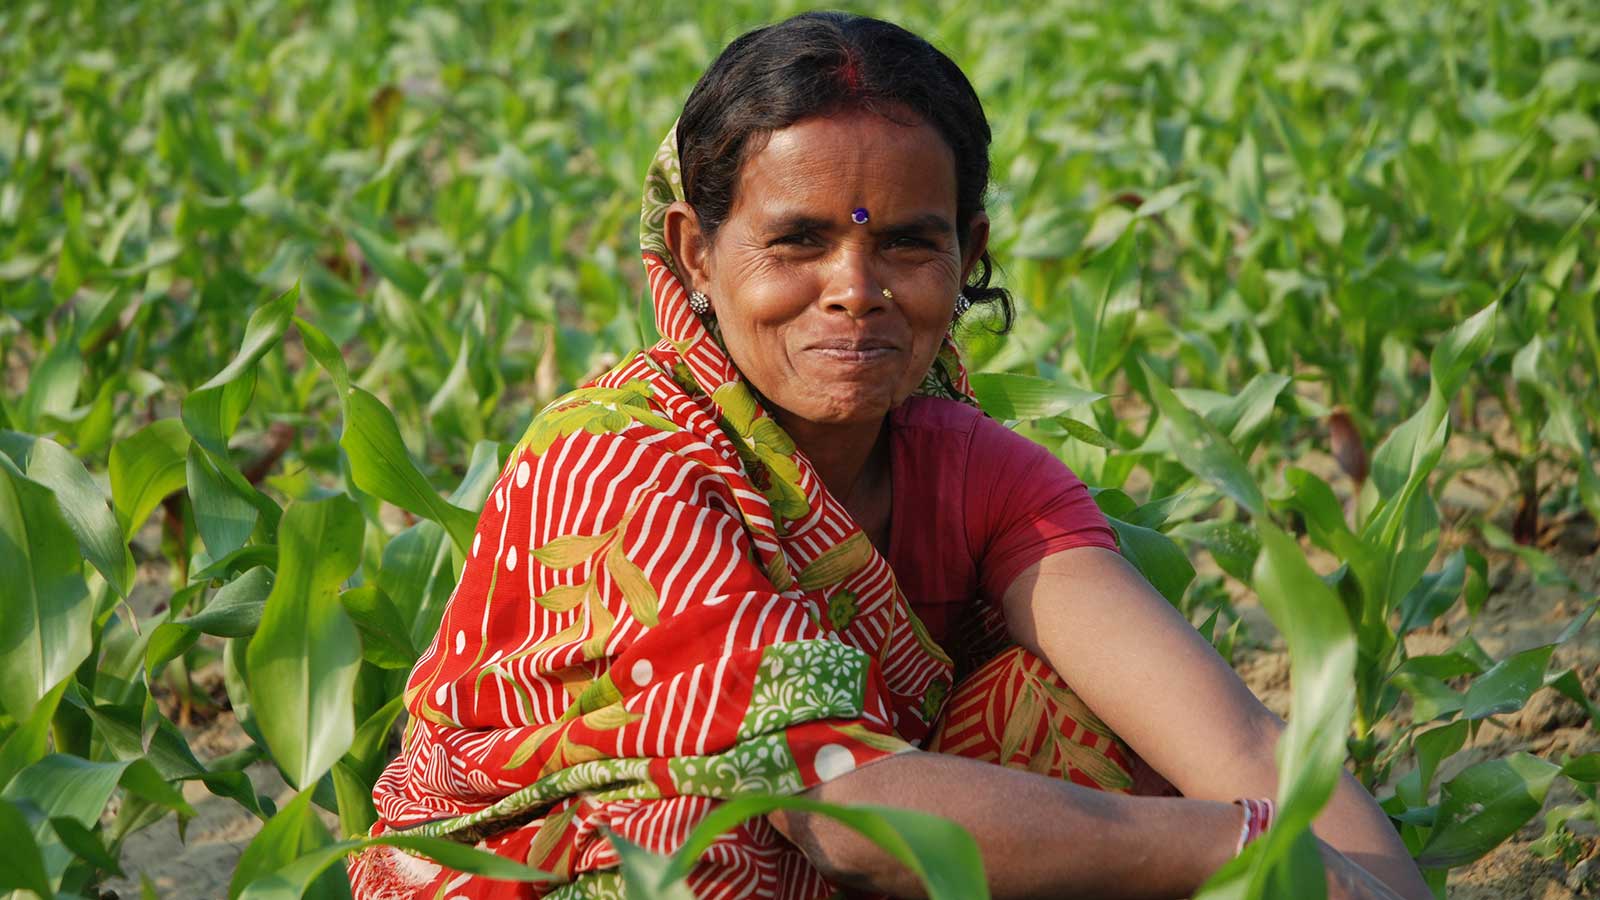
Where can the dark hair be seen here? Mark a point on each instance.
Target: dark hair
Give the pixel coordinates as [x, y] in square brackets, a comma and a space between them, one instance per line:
[820, 63]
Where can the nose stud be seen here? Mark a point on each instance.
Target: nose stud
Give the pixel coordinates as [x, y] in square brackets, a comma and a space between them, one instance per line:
[888, 294]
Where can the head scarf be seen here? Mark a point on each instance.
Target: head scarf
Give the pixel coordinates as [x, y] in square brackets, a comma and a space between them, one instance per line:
[663, 607]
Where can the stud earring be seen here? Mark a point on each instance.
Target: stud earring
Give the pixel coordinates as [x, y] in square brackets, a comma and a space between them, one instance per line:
[700, 303]
[962, 305]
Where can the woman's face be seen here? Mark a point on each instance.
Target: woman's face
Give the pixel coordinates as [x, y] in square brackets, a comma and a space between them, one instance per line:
[798, 286]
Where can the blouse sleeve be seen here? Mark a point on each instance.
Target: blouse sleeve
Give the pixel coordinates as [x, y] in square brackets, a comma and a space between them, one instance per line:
[1023, 504]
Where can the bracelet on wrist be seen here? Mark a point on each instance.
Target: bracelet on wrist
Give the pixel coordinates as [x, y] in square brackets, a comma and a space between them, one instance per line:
[1258, 815]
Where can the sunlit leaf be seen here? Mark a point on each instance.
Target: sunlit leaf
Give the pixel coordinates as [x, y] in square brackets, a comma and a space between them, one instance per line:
[1484, 805]
[45, 617]
[302, 660]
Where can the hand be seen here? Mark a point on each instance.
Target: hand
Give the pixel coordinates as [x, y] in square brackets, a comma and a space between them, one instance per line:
[1348, 881]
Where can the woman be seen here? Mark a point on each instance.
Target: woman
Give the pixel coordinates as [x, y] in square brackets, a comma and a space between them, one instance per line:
[733, 563]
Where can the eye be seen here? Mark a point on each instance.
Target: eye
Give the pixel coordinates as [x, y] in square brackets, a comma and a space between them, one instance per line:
[797, 238]
[910, 242]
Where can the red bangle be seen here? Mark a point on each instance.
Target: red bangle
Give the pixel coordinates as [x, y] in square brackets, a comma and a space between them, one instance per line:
[1258, 815]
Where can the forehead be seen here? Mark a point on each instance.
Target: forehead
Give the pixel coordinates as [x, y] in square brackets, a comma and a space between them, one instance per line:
[828, 165]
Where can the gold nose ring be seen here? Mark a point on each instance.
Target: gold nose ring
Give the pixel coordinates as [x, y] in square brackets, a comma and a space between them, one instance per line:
[888, 294]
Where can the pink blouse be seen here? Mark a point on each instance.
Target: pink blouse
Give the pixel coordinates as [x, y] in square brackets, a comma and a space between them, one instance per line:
[974, 505]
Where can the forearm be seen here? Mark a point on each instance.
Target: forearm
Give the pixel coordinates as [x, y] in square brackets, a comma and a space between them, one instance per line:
[1352, 822]
[1354, 825]
[1038, 837]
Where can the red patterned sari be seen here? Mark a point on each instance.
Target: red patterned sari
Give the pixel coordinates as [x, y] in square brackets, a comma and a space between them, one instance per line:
[641, 631]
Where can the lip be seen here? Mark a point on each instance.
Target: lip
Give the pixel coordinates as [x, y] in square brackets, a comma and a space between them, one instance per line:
[854, 350]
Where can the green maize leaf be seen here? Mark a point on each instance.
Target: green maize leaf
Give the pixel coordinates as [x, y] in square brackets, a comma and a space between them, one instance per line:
[1436, 745]
[941, 853]
[85, 845]
[1508, 685]
[1234, 546]
[391, 262]
[122, 725]
[169, 641]
[1161, 561]
[1010, 396]
[236, 563]
[1417, 542]
[1584, 768]
[380, 465]
[63, 785]
[1483, 806]
[1412, 450]
[224, 518]
[1402, 463]
[357, 814]
[1105, 302]
[1322, 658]
[1083, 431]
[385, 637]
[69, 787]
[263, 331]
[291, 834]
[326, 353]
[1156, 513]
[647, 874]
[1435, 593]
[482, 469]
[1242, 417]
[1165, 199]
[146, 466]
[29, 741]
[52, 384]
[1203, 450]
[212, 414]
[416, 572]
[84, 505]
[1430, 697]
[46, 613]
[1569, 685]
[369, 750]
[234, 611]
[310, 868]
[1545, 570]
[21, 863]
[142, 780]
[302, 661]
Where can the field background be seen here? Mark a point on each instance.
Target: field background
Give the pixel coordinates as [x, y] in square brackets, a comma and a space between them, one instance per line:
[1289, 212]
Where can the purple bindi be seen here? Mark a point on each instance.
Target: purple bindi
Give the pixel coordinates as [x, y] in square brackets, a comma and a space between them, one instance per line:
[859, 215]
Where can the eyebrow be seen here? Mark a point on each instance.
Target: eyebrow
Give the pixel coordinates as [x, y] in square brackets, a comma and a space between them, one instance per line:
[919, 224]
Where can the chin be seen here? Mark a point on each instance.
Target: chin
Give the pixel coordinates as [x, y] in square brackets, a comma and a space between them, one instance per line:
[850, 410]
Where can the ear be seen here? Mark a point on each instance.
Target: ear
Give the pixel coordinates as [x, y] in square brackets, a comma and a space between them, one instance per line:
[690, 249]
[977, 241]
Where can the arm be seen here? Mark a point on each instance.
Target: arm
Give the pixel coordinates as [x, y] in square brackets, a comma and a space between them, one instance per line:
[1100, 625]
[1039, 837]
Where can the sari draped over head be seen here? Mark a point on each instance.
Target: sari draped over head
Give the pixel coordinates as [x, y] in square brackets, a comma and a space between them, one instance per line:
[662, 608]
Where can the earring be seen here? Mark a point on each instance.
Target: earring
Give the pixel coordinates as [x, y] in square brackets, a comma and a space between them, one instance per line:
[962, 304]
[700, 303]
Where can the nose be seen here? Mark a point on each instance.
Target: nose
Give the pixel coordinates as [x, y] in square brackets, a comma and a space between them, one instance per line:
[852, 287]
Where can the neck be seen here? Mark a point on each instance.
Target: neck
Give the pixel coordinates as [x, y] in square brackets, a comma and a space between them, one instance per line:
[848, 458]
